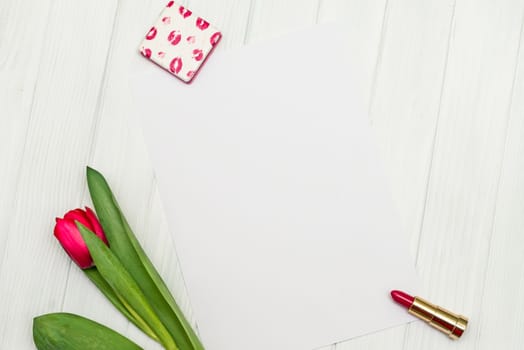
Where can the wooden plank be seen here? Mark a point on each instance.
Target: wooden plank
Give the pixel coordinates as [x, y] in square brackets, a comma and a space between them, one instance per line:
[405, 99]
[20, 51]
[56, 140]
[55, 124]
[403, 57]
[502, 307]
[465, 169]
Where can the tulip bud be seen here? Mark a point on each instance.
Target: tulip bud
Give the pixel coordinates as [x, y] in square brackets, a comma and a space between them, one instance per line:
[70, 238]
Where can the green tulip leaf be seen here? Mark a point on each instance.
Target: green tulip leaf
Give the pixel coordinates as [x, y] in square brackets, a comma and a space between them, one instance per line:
[94, 275]
[126, 247]
[124, 286]
[64, 331]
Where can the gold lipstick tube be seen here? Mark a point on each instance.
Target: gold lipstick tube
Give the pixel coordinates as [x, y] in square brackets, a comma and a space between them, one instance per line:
[443, 320]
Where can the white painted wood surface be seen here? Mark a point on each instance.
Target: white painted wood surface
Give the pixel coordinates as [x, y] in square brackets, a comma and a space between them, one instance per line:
[445, 85]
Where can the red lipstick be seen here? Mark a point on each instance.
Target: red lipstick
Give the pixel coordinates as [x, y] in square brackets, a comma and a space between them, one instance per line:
[445, 321]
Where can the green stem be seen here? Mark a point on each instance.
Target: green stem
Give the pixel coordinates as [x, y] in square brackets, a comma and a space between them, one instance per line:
[123, 284]
[118, 302]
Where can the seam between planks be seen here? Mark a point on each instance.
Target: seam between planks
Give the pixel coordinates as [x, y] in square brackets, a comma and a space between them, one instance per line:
[94, 129]
[378, 62]
[430, 166]
[247, 31]
[101, 90]
[24, 146]
[435, 133]
[319, 10]
[21, 162]
[499, 178]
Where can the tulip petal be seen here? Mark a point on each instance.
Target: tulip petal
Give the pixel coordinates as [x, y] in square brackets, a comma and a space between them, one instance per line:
[69, 237]
[125, 287]
[95, 224]
[126, 247]
[78, 215]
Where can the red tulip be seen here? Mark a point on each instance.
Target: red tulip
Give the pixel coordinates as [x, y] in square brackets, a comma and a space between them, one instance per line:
[70, 238]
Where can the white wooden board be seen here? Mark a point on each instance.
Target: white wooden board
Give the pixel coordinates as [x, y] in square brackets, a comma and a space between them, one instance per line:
[445, 83]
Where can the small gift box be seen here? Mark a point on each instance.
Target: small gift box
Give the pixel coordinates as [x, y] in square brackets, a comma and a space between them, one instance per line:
[180, 41]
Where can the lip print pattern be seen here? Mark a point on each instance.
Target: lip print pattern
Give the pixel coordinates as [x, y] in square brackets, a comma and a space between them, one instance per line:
[146, 52]
[201, 23]
[184, 12]
[174, 37]
[176, 65]
[191, 39]
[215, 38]
[180, 41]
[198, 54]
[151, 34]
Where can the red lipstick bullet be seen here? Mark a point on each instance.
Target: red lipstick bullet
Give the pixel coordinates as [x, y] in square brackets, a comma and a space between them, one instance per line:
[445, 321]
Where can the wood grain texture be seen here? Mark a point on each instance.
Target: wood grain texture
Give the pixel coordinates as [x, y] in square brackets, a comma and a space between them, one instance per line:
[457, 226]
[56, 133]
[406, 96]
[363, 23]
[502, 306]
[443, 80]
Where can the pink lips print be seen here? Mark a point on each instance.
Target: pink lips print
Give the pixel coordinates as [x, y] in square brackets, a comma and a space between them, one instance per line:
[184, 12]
[146, 52]
[215, 38]
[151, 34]
[179, 41]
[174, 37]
[201, 23]
[176, 65]
[191, 39]
[198, 54]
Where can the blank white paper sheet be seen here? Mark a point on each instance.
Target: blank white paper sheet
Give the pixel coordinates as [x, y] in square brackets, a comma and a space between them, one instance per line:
[283, 222]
